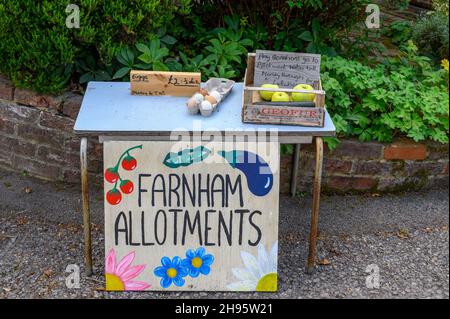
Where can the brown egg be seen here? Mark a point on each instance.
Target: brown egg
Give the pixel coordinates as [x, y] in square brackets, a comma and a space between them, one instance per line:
[211, 99]
[203, 92]
[192, 106]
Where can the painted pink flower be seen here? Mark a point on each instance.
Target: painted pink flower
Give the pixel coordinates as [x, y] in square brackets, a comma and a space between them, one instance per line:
[119, 276]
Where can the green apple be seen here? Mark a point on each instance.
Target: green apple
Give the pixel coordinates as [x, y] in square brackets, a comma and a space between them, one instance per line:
[280, 97]
[267, 95]
[303, 97]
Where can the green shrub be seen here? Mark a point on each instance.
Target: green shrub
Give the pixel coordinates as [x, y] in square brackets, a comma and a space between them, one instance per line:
[399, 31]
[37, 50]
[279, 15]
[222, 54]
[278, 25]
[403, 96]
[396, 4]
[430, 34]
[441, 6]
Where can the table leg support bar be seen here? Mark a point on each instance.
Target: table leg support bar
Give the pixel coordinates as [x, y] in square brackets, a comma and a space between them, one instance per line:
[86, 209]
[295, 170]
[315, 206]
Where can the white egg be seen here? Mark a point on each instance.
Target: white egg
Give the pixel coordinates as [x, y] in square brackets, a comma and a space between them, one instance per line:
[198, 97]
[206, 108]
[216, 95]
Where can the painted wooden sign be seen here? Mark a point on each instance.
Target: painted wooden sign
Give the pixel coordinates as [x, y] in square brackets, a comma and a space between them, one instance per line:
[286, 69]
[191, 217]
[156, 83]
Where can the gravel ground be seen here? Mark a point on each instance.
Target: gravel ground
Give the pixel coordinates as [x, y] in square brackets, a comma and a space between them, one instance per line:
[405, 236]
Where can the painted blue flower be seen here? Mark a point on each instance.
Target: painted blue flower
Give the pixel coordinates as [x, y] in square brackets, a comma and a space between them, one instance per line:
[171, 271]
[197, 262]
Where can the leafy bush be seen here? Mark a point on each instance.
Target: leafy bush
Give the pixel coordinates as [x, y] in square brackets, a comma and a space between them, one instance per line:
[399, 31]
[279, 16]
[39, 51]
[35, 45]
[441, 6]
[396, 4]
[430, 34]
[403, 96]
[222, 55]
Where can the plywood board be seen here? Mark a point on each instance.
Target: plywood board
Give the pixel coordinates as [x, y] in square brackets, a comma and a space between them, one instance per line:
[187, 216]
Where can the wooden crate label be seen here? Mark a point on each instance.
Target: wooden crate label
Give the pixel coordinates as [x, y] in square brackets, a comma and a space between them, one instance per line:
[155, 83]
[284, 114]
[191, 217]
[286, 69]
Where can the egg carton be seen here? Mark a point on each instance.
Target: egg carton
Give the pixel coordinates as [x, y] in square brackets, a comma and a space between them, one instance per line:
[210, 96]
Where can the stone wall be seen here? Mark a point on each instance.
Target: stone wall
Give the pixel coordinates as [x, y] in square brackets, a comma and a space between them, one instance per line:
[36, 137]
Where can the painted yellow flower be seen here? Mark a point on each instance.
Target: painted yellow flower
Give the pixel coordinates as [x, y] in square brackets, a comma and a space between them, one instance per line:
[259, 274]
[444, 64]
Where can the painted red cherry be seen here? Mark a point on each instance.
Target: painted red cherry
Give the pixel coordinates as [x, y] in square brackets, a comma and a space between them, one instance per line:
[114, 196]
[126, 186]
[129, 163]
[111, 175]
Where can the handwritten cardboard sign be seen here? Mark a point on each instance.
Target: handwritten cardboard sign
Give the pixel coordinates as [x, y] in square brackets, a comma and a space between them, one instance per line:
[155, 83]
[191, 217]
[286, 69]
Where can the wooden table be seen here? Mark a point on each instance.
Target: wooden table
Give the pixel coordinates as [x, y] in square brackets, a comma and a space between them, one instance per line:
[110, 112]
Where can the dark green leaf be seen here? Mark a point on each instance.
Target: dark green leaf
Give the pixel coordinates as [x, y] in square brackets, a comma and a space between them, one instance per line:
[121, 72]
[306, 36]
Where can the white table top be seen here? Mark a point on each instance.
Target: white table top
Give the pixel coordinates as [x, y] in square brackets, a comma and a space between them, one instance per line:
[108, 108]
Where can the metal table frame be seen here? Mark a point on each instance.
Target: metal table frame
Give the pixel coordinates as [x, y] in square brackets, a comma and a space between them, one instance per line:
[297, 138]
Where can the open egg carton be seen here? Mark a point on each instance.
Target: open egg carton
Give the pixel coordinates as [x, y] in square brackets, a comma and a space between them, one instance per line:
[210, 96]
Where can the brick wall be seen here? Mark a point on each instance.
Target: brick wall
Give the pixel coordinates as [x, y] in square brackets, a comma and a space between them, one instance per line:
[36, 136]
[373, 167]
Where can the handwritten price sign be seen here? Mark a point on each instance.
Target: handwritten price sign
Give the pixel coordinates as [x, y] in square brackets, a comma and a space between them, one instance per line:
[157, 83]
[287, 69]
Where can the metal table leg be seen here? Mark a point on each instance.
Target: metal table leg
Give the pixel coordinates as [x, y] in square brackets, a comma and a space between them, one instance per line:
[86, 210]
[315, 207]
[295, 170]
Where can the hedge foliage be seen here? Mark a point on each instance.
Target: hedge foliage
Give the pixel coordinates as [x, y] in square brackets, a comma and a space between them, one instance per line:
[38, 51]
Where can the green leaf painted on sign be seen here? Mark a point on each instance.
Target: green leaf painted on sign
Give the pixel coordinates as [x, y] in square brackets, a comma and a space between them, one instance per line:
[186, 157]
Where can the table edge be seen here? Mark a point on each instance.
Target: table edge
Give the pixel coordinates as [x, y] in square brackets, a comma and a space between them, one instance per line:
[152, 133]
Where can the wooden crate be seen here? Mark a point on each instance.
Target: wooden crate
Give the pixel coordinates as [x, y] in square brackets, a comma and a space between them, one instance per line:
[278, 114]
